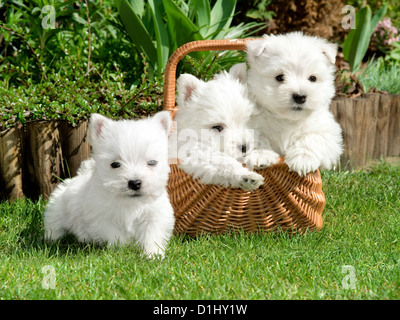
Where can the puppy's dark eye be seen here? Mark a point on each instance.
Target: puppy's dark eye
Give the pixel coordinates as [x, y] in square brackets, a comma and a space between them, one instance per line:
[219, 128]
[280, 78]
[115, 165]
[312, 78]
[152, 163]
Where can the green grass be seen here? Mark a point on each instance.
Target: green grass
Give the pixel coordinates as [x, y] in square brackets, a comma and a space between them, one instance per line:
[381, 75]
[361, 230]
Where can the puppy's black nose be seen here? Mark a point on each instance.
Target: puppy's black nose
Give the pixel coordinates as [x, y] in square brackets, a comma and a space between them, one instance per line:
[134, 184]
[299, 98]
[243, 147]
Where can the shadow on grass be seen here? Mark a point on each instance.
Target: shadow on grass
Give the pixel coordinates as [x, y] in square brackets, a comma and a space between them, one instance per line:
[32, 235]
[32, 238]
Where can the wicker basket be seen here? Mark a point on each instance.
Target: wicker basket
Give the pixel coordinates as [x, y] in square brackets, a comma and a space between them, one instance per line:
[285, 201]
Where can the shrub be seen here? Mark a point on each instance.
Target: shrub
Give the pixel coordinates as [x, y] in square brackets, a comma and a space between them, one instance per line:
[75, 99]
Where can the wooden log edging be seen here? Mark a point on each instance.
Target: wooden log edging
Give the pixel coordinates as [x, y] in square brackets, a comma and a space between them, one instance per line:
[11, 163]
[393, 149]
[34, 158]
[75, 146]
[43, 158]
[371, 127]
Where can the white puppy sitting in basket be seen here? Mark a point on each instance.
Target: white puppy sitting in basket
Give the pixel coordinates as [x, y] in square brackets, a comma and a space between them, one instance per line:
[291, 80]
[212, 135]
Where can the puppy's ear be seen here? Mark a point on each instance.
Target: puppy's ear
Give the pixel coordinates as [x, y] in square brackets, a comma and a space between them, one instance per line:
[239, 71]
[186, 86]
[96, 126]
[256, 47]
[164, 118]
[330, 50]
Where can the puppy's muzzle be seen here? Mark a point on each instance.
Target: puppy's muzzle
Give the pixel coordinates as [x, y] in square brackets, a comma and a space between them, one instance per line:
[299, 98]
[134, 184]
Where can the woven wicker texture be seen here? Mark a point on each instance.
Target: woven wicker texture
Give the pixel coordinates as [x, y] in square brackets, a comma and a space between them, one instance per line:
[285, 200]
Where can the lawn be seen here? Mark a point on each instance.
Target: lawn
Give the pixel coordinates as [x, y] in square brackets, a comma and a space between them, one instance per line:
[356, 255]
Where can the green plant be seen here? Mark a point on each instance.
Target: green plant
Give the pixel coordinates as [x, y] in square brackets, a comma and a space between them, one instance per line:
[393, 55]
[393, 8]
[29, 45]
[357, 41]
[259, 11]
[84, 41]
[379, 74]
[157, 28]
[74, 98]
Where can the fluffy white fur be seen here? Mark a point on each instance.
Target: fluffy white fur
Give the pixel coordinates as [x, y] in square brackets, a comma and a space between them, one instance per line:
[119, 195]
[291, 80]
[212, 135]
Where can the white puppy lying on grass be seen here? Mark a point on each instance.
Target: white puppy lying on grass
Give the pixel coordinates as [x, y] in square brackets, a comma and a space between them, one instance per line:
[120, 194]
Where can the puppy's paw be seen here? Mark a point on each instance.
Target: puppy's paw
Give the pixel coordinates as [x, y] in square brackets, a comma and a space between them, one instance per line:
[260, 159]
[250, 181]
[302, 164]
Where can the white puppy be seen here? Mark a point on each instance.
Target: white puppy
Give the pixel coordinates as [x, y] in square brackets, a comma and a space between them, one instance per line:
[119, 195]
[291, 79]
[212, 135]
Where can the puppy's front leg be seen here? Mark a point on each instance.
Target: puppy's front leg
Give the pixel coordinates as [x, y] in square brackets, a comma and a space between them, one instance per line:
[305, 155]
[153, 244]
[220, 169]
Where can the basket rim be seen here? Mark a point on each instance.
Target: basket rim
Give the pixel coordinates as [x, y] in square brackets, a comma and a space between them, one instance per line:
[181, 52]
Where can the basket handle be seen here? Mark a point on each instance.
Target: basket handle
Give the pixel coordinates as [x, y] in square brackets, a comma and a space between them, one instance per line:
[201, 45]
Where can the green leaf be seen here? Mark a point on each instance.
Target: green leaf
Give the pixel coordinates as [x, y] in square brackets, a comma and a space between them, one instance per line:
[356, 43]
[221, 16]
[138, 7]
[137, 31]
[79, 19]
[377, 17]
[161, 35]
[181, 29]
[203, 15]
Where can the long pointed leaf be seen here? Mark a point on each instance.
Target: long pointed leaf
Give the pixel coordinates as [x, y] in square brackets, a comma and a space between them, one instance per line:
[161, 35]
[221, 15]
[203, 15]
[347, 44]
[138, 7]
[357, 44]
[137, 31]
[377, 17]
[180, 27]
